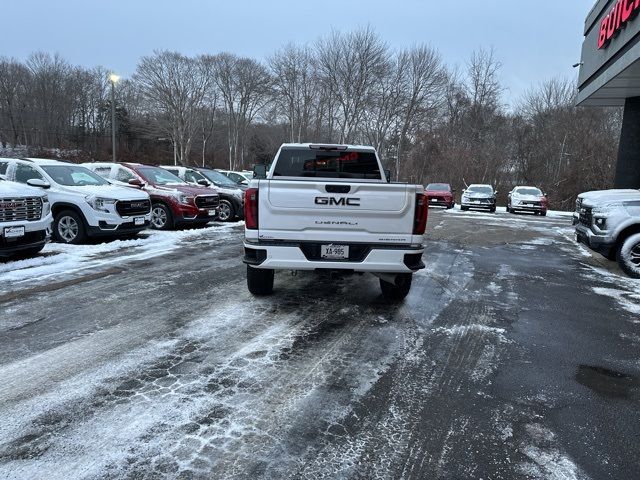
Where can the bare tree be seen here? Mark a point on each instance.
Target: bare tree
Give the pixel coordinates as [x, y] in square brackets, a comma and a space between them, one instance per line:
[349, 66]
[244, 86]
[175, 86]
[295, 88]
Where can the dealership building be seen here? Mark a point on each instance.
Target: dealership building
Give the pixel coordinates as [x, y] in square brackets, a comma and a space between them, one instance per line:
[610, 76]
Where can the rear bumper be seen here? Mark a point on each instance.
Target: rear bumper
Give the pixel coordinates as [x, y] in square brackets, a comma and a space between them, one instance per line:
[303, 256]
[602, 244]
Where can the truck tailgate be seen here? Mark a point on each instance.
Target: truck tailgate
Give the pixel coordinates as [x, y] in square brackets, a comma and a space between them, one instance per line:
[344, 211]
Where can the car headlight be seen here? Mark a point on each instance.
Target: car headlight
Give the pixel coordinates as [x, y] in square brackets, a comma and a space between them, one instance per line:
[100, 204]
[185, 199]
[46, 206]
[600, 222]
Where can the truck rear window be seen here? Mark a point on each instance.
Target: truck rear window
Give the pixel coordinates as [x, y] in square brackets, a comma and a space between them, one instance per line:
[327, 164]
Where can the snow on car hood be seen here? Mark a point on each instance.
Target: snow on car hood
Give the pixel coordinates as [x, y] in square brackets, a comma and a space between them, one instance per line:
[12, 189]
[601, 197]
[478, 195]
[109, 191]
[186, 189]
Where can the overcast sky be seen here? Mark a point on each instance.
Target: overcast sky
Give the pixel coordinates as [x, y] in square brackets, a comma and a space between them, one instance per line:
[535, 40]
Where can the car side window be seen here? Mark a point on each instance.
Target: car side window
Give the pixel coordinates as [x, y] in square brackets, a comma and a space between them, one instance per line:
[102, 171]
[174, 171]
[124, 175]
[3, 168]
[190, 176]
[24, 173]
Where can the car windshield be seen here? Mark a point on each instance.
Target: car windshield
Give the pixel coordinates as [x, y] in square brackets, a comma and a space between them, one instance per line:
[529, 191]
[159, 176]
[73, 176]
[219, 178]
[296, 162]
[438, 187]
[480, 189]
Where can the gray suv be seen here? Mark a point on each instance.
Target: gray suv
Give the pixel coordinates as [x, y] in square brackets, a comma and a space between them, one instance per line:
[478, 196]
[608, 222]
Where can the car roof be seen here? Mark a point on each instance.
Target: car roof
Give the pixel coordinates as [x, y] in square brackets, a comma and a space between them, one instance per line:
[525, 186]
[45, 161]
[330, 145]
[480, 185]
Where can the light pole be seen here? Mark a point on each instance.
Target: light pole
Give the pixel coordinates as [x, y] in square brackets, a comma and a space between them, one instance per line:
[113, 78]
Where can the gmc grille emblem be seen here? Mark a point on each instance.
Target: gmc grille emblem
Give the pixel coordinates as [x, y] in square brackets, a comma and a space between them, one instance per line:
[342, 202]
[138, 205]
[12, 204]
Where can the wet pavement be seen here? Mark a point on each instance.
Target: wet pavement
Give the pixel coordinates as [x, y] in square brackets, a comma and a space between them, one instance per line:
[516, 355]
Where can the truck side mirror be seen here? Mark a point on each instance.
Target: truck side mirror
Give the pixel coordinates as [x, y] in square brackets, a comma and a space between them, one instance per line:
[36, 182]
[136, 182]
[203, 182]
[387, 174]
[259, 171]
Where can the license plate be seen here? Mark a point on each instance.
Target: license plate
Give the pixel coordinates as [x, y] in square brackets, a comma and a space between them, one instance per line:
[212, 213]
[138, 221]
[334, 252]
[13, 232]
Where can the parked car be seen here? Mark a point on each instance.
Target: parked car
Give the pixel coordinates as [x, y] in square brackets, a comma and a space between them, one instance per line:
[231, 197]
[440, 194]
[174, 202]
[241, 178]
[25, 219]
[479, 196]
[83, 203]
[608, 222]
[330, 207]
[229, 190]
[527, 199]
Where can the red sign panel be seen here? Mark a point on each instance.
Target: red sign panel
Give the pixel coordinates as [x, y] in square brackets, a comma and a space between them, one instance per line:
[620, 14]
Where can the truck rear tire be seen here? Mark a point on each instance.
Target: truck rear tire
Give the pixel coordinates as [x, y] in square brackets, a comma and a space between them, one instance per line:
[397, 292]
[260, 280]
[628, 256]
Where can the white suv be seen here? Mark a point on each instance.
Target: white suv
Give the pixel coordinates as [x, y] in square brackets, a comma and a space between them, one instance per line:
[83, 203]
[25, 219]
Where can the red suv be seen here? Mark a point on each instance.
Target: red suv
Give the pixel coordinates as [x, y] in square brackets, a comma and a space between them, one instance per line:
[174, 202]
[440, 194]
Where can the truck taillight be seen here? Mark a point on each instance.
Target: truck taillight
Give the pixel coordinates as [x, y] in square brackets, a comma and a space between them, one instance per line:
[420, 218]
[251, 208]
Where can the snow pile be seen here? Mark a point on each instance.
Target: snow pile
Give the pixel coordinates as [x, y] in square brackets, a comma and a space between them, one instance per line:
[61, 260]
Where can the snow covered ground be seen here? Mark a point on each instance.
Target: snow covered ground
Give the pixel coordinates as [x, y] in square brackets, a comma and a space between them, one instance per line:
[515, 356]
[60, 262]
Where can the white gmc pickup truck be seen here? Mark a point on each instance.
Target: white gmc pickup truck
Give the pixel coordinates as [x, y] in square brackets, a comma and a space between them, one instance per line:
[331, 207]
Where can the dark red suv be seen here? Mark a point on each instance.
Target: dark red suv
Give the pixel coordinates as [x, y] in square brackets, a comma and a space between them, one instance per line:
[174, 202]
[440, 194]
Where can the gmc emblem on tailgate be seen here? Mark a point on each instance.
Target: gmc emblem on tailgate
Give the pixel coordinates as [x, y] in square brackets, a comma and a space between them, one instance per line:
[351, 202]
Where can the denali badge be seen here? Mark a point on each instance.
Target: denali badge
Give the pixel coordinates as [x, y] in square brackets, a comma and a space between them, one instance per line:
[351, 202]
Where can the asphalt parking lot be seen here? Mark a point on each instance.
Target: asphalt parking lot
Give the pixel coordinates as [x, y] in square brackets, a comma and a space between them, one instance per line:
[514, 356]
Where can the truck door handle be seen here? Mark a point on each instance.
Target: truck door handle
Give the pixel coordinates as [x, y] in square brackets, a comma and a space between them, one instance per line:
[337, 188]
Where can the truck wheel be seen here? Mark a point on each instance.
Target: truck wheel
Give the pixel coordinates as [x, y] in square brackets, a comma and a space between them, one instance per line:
[68, 227]
[260, 280]
[225, 211]
[396, 293]
[628, 256]
[161, 217]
